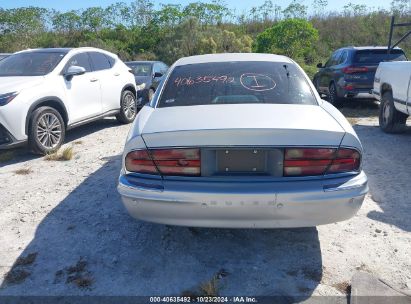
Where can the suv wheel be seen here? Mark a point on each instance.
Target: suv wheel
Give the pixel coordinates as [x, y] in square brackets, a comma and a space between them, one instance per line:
[128, 109]
[333, 96]
[391, 120]
[46, 130]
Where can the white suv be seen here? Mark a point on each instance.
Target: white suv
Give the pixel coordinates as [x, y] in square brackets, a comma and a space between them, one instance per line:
[44, 92]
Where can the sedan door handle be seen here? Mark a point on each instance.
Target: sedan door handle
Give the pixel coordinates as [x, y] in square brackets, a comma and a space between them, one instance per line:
[116, 74]
[93, 79]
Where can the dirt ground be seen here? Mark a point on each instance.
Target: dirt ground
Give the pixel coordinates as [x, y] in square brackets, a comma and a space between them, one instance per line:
[64, 231]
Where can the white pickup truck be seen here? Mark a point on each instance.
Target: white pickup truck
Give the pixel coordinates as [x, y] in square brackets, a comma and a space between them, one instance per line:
[392, 87]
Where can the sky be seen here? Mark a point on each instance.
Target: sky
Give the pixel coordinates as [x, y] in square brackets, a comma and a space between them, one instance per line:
[238, 5]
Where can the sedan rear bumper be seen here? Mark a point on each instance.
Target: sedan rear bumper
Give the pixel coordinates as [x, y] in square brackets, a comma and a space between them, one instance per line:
[241, 205]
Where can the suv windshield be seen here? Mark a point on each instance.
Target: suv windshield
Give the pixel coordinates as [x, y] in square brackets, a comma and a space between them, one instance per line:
[30, 63]
[140, 69]
[377, 56]
[236, 83]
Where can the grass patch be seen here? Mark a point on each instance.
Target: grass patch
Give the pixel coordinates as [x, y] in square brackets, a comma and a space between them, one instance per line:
[210, 288]
[61, 155]
[81, 282]
[16, 276]
[79, 267]
[78, 142]
[6, 156]
[27, 260]
[23, 171]
[76, 274]
[343, 287]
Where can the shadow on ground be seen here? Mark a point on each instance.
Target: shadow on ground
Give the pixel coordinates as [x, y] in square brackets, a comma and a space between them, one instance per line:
[390, 160]
[89, 245]
[23, 154]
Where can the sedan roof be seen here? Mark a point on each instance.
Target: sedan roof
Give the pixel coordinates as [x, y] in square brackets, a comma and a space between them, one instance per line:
[227, 57]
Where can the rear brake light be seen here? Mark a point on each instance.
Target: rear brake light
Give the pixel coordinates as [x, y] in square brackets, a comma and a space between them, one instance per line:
[177, 162]
[346, 160]
[351, 69]
[313, 161]
[140, 161]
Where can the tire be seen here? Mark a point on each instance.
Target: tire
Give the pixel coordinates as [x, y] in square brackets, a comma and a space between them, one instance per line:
[333, 97]
[150, 94]
[46, 131]
[128, 107]
[316, 85]
[391, 120]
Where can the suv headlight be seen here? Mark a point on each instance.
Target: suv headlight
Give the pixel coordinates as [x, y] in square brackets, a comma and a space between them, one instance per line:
[6, 98]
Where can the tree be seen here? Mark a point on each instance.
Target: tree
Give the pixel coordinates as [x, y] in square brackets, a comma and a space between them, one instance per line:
[170, 15]
[295, 10]
[67, 22]
[352, 9]
[400, 7]
[319, 7]
[291, 37]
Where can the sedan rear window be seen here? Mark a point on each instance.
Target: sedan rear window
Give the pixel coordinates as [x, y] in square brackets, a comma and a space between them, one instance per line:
[377, 56]
[236, 83]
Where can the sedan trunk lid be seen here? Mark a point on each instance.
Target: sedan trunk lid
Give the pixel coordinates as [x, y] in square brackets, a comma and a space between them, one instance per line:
[242, 125]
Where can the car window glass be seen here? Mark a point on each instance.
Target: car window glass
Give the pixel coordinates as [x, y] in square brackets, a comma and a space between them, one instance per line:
[244, 82]
[335, 58]
[81, 60]
[100, 61]
[377, 56]
[111, 60]
[163, 68]
[156, 68]
[30, 63]
[140, 68]
[330, 61]
[343, 57]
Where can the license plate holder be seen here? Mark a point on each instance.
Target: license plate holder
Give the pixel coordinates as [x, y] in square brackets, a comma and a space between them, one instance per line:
[246, 161]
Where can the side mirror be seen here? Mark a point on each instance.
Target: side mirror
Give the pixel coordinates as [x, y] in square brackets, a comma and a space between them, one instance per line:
[157, 75]
[320, 65]
[73, 71]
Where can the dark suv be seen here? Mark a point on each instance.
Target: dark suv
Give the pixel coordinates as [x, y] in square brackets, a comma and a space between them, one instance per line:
[350, 72]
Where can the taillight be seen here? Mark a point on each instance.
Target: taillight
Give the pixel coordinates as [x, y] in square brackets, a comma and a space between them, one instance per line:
[319, 161]
[346, 160]
[176, 162]
[140, 161]
[351, 69]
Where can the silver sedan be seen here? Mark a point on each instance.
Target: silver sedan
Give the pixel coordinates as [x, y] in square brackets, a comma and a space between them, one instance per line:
[241, 140]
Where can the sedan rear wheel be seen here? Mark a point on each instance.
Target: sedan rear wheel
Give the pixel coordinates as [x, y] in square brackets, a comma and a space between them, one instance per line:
[46, 130]
[391, 120]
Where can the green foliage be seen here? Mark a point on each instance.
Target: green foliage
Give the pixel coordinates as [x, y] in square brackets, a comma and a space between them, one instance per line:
[291, 37]
[141, 30]
[190, 38]
[295, 10]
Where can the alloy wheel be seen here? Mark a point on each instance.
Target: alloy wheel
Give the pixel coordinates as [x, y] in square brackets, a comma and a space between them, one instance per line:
[49, 130]
[129, 105]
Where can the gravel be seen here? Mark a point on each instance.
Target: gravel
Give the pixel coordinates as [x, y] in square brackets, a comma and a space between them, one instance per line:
[64, 231]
